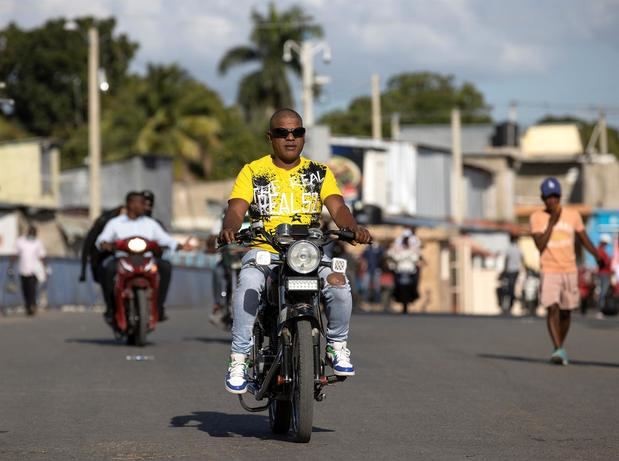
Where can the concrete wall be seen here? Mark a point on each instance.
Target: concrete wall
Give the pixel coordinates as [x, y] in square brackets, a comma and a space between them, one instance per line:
[433, 183]
[501, 203]
[530, 175]
[600, 185]
[29, 174]
[117, 178]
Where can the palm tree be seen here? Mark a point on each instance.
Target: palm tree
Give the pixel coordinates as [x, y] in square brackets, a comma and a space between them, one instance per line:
[182, 119]
[267, 88]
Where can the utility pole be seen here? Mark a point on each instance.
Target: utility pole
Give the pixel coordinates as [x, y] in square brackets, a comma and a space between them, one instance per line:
[511, 129]
[603, 132]
[377, 127]
[395, 126]
[457, 211]
[306, 51]
[94, 125]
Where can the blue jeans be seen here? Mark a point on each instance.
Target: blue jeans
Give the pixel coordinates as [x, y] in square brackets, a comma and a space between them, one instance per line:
[604, 286]
[247, 297]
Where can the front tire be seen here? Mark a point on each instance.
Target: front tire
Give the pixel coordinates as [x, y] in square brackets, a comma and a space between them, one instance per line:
[280, 415]
[303, 390]
[142, 310]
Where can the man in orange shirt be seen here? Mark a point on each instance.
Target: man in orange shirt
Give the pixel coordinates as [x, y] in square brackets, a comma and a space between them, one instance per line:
[553, 230]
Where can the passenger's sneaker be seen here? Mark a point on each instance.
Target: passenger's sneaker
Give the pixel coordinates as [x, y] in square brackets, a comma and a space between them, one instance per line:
[236, 378]
[338, 356]
[559, 357]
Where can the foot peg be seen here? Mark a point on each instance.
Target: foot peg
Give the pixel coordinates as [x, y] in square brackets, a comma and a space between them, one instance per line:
[331, 379]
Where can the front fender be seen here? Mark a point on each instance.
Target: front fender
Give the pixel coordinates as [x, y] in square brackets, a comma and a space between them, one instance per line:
[291, 314]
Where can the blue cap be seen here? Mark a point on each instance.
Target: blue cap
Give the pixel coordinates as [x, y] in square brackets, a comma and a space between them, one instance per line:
[550, 186]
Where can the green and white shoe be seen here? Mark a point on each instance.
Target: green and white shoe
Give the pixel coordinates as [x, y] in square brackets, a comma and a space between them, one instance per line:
[338, 356]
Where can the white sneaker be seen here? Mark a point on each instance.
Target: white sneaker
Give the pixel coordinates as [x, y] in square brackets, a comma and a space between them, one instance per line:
[338, 356]
[236, 378]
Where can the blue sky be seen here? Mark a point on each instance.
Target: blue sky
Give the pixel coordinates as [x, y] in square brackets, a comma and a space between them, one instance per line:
[553, 56]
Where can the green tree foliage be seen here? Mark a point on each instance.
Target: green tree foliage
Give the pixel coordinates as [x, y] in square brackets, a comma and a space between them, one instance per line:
[45, 71]
[586, 130]
[267, 88]
[419, 98]
[165, 111]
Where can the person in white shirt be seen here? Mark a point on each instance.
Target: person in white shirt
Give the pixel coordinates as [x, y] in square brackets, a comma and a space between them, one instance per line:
[132, 224]
[30, 255]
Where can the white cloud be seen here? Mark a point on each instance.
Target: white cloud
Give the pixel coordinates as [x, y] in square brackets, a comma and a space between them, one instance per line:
[473, 39]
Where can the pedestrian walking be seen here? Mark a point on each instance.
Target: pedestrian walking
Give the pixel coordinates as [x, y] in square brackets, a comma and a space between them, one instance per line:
[554, 230]
[509, 276]
[30, 256]
[604, 271]
[372, 258]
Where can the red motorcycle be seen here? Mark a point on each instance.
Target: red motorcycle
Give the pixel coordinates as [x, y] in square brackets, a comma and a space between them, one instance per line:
[587, 289]
[135, 290]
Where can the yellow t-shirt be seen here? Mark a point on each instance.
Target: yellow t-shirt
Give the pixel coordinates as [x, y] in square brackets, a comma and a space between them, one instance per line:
[559, 255]
[276, 195]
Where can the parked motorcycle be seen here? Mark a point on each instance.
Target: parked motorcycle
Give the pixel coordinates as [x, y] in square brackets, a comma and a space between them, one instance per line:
[611, 304]
[588, 289]
[530, 292]
[287, 368]
[135, 290]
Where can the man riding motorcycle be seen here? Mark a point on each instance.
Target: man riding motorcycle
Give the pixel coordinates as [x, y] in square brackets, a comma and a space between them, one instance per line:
[132, 224]
[286, 188]
[90, 251]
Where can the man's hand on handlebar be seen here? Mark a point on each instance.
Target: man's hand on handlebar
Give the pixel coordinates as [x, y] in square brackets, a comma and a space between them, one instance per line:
[226, 237]
[362, 235]
[107, 246]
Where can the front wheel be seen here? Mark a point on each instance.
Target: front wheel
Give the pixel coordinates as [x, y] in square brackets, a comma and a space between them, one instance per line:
[280, 414]
[142, 309]
[303, 383]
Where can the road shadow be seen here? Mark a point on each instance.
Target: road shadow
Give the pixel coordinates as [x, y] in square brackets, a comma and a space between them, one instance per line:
[204, 339]
[218, 424]
[101, 342]
[515, 358]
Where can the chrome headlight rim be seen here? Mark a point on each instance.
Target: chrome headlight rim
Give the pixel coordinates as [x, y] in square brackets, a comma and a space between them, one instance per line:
[293, 253]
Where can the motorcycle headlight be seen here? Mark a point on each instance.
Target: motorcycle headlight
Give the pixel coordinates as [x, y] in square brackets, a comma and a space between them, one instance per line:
[303, 257]
[137, 245]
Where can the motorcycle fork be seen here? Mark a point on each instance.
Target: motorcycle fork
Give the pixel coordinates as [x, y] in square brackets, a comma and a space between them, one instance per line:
[317, 365]
[286, 355]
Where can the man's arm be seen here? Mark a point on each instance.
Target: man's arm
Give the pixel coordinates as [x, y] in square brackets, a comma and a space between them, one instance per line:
[233, 219]
[105, 240]
[586, 242]
[542, 239]
[343, 218]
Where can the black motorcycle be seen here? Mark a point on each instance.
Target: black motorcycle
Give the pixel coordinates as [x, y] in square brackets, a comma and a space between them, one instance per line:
[287, 368]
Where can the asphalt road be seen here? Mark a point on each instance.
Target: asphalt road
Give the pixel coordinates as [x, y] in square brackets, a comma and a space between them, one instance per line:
[427, 387]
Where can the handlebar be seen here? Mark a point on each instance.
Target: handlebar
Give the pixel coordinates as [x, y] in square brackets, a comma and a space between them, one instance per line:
[247, 236]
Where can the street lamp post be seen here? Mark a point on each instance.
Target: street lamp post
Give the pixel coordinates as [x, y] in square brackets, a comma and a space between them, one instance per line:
[94, 124]
[306, 51]
[94, 117]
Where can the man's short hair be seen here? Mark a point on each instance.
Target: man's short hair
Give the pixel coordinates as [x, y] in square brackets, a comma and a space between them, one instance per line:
[285, 111]
[131, 195]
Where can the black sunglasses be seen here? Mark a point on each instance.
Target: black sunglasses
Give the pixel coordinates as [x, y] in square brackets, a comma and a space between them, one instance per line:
[284, 132]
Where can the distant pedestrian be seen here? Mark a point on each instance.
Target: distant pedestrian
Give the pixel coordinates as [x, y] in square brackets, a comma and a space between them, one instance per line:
[604, 271]
[372, 257]
[554, 230]
[513, 264]
[30, 256]
[406, 258]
